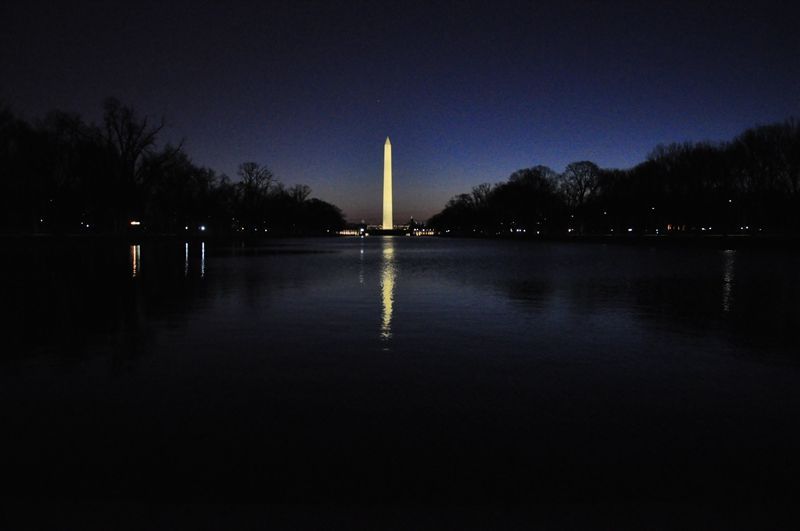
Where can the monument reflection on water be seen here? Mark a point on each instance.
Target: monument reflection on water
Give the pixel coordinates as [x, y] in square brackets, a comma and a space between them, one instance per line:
[388, 275]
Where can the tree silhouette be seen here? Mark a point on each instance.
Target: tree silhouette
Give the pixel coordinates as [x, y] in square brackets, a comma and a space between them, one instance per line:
[748, 185]
[63, 175]
[579, 182]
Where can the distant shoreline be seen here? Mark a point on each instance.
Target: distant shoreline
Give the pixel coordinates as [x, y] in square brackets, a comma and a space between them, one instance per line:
[44, 238]
[721, 241]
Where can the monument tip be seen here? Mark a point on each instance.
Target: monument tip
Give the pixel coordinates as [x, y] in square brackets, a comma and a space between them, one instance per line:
[387, 141]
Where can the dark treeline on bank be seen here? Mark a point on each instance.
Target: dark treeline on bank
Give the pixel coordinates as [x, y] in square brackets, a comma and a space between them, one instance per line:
[750, 185]
[62, 175]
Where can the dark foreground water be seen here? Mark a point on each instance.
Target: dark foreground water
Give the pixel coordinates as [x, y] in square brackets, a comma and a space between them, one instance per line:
[399, 371]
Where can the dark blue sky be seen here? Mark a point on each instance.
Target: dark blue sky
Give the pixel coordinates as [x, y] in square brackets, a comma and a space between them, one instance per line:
[468, 92]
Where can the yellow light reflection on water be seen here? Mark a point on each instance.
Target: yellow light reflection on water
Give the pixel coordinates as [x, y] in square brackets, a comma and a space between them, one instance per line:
[136, 260]
[388, 274]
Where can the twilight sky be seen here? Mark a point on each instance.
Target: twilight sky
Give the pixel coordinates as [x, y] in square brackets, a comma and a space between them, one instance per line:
[468, 92]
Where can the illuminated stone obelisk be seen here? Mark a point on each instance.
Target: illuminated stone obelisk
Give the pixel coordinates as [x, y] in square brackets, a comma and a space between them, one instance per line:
[388, 222]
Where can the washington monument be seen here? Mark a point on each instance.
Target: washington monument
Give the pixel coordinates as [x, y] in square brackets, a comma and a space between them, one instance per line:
[388, 222]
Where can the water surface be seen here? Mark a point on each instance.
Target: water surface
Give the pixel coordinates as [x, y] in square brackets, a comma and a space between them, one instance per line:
[399, 370]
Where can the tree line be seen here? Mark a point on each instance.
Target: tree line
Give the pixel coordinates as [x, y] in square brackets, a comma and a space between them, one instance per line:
[63, 175]
[750, 184]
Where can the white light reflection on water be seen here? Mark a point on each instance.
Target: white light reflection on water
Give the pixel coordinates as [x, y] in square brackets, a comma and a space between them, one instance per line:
[388, 274]
[136, 260]
[186, 259]
[361, 265]
[729, 260]
[202, 260]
